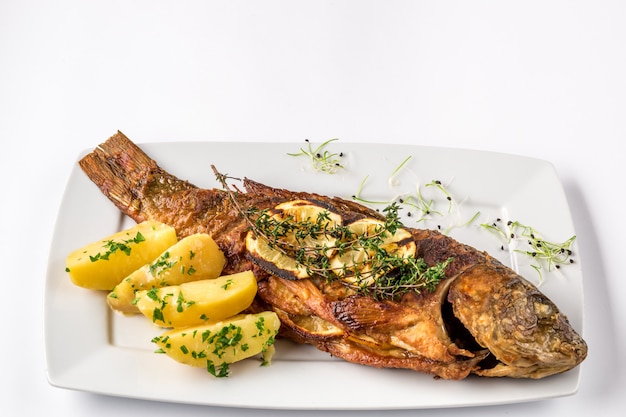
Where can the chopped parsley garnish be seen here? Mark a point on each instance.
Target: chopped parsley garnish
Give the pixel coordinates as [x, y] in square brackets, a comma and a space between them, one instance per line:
[162, 264]
[220, 371]
[113, 246]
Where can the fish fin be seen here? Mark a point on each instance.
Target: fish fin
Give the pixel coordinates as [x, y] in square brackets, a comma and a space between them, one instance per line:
[114, 167]
[362, 312]
[128, 176]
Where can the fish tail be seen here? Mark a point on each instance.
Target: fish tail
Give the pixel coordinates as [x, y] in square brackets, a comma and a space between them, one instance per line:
[128, 176]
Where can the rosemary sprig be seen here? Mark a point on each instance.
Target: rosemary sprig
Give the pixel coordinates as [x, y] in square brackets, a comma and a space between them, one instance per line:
[322, 160]
[552, 255]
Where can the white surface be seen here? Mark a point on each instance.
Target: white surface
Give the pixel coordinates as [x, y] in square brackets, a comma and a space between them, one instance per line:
[535, 78]
[83, 338]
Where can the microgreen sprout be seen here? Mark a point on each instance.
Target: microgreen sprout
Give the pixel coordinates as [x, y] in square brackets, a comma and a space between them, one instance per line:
[544, 253]
[438, 185]
[398, 168]
[322, 160]
[357, 196]
[418, 203]
[420, 206]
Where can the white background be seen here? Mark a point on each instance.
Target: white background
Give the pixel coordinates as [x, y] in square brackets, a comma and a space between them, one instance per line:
[544, 79]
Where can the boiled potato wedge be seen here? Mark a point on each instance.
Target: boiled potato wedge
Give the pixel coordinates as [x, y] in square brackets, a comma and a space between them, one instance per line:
[197, 302]
[103, 264]
[216, 345]
[193, 258]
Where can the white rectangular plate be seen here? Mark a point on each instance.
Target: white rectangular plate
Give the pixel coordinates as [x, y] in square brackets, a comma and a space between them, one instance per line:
[89, 348]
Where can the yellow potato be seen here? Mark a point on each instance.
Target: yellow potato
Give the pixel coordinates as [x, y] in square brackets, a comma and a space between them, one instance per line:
[216, 345]
[197, 302]
[193, 258]
[103, 264]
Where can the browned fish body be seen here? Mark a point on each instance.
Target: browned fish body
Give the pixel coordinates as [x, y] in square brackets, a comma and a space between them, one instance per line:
[482, 319]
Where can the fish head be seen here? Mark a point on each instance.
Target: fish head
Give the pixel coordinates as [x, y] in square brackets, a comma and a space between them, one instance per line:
[526, 334]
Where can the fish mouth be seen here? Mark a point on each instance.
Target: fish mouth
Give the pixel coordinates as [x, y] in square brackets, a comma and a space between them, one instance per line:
[463, 338]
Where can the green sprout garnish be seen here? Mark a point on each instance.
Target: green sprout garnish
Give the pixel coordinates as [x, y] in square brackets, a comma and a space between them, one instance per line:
[419, 206]
[544, 253]
[399, 167]
[322, 160]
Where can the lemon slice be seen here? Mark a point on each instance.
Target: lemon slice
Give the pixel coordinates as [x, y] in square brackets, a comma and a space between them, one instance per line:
[296, 219]
[356, 265]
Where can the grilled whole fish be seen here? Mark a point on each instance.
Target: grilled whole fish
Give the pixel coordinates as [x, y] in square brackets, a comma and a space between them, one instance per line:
[482, 319]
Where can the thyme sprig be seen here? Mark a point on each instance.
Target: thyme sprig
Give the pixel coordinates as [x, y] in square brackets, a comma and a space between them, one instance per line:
[544, 253]
[322, 160]
[380, 274]
[313, 242]
[409, 275]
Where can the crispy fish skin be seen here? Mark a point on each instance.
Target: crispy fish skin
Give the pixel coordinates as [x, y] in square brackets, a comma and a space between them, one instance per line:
[482, 319]
[519, 324]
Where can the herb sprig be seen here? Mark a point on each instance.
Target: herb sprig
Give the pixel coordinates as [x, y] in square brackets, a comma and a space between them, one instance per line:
[380, 274]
